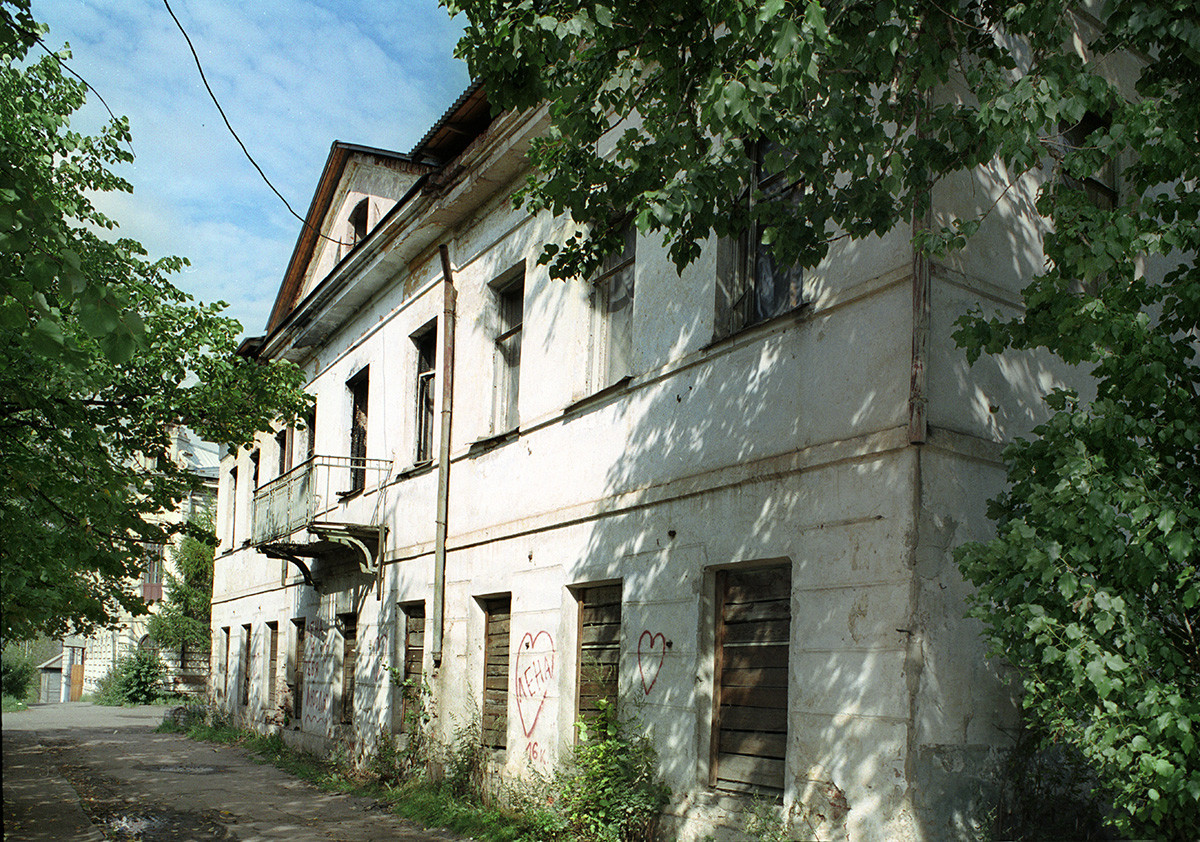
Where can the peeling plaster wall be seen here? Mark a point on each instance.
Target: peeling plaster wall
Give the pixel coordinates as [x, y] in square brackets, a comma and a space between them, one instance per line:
[787, 442]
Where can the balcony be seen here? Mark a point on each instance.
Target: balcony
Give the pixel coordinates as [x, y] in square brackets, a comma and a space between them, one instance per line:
[310, 511]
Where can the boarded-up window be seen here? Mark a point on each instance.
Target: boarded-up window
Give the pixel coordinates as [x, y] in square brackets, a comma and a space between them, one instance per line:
[599, 646]
[299, 670]
[497, 618]
[349, 627]
[225, 665]
[412, 631]
[272, 666]
[245, 694]
[753, 633]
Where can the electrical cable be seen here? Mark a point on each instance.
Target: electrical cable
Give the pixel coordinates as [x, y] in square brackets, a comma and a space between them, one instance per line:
[245, 151]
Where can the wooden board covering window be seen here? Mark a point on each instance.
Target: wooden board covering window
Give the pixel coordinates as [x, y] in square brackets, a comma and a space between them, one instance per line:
[245, 689]
[412, 631]
[272, 667]
[752, 641]
[498, 616]
[299, 671]
[349, 626]
[599, 646]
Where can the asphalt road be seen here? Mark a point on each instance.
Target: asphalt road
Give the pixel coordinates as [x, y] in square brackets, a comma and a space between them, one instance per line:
[85, 773]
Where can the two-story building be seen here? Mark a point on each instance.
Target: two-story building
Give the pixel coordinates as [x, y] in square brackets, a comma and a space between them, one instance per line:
[725, 498]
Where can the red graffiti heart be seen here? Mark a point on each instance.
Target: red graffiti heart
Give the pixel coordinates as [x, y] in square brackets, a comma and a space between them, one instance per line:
[646, 652]
[534, 677]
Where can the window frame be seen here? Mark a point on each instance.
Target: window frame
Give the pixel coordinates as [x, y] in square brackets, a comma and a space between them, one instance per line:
[425, 392]
[509, 291]
[743, 297]
[609, 333]
[359, 387]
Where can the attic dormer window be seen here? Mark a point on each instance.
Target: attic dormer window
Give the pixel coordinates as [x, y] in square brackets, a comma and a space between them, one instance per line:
[358, 222]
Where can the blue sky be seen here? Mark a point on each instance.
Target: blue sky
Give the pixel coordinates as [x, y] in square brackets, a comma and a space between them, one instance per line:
[292, 76]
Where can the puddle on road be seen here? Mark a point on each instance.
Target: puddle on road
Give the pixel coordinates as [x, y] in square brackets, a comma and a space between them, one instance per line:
[182, 769]
[157, 825]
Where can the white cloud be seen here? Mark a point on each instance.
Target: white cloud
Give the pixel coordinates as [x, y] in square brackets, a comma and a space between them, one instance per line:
[292, 78]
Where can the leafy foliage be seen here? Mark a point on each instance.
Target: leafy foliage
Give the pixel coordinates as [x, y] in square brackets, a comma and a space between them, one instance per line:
[136, 679]
[1091, 586]
[17, 673]
[101, 358]
[611, 792]
[185, 613]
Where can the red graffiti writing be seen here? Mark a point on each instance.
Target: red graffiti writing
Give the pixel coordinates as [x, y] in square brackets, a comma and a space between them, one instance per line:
[651, 646]
[535, 752]
[535, 674]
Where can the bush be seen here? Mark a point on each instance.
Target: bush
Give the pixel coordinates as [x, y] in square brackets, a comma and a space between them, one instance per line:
[134, 680]
[16, 675]
[611, 792]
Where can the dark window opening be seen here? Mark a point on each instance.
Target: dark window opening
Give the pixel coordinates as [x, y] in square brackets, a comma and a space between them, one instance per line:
[299, 670]
[348, 624]
[245, 676]
[358, 222]
[358, 430]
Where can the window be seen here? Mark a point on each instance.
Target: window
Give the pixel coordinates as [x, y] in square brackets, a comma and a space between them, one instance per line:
[348, 624]
[233, 495]
[510, 300]
[283, 451]
[225, 665]
[245, 676]
[753, 633]
[310, 436]
[152, 587]
[298, 671]
[497, 618]
[752, 286]
[272, 666]
[411, 630]
[599, 646]
[357, 223]
[426, 345]
[358, 430]
[612, 315]
[254, 460]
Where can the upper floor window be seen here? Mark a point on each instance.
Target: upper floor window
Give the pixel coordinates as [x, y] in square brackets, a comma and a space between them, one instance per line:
[752, 284]
[358, 222]
[612, 315]
[510, 302]
[426, 346]
[283, 450]
[1100, 186]
[310, 433]
[358, 430]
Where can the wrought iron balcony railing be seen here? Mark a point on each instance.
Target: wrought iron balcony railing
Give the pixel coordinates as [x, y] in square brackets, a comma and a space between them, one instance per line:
[311, 491]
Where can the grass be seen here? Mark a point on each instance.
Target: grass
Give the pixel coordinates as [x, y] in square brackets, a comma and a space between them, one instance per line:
[12, 704]
[429, 803]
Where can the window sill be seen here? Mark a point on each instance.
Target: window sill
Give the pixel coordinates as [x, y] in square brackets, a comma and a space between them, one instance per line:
[415, 470]
[492, 442]
[793, 315]
[599, 396]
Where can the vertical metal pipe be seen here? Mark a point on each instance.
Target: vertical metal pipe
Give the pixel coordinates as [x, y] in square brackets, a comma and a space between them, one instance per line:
[443, 489]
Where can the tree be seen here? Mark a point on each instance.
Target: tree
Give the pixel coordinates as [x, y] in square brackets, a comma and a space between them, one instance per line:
[185, 613]
[1090, 587]
[101, 357]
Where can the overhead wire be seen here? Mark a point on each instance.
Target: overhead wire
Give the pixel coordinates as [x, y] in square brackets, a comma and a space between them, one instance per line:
[228, 125]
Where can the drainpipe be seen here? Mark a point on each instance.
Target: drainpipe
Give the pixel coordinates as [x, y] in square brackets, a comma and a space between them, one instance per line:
[443, 489]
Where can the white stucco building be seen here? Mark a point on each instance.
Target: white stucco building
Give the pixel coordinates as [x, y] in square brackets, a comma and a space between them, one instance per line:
[727, 498]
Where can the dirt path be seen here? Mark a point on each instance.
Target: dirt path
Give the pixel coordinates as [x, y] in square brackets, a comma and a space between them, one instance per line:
[135, 784]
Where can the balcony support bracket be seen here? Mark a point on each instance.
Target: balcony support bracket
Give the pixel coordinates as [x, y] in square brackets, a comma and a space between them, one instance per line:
[274, 552]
